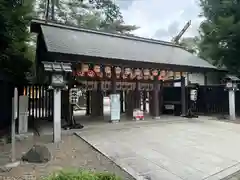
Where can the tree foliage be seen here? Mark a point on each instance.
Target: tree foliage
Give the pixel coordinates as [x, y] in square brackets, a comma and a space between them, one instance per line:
[14, 36]
[94, 14]
[220, 33]
[190, 44]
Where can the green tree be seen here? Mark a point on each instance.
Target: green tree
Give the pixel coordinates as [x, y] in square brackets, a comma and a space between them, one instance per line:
[220, 33]
[93, 14]
[14, 36]
[190, 44]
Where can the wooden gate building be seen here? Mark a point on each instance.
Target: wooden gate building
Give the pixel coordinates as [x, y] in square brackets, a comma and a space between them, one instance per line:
[115, 63]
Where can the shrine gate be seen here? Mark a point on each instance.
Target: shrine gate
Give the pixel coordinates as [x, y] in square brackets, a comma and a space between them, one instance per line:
[133, 66]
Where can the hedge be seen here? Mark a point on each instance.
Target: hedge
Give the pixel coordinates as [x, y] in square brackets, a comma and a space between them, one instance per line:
[82, 175]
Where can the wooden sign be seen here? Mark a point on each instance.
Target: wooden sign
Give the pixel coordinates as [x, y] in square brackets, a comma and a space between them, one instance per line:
[143, 86]
[150, 87]
[119, 86]
[124, 86]
[106, 85]
[91, 85]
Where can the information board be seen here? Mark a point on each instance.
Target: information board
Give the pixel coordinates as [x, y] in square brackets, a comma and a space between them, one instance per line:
[115, 107]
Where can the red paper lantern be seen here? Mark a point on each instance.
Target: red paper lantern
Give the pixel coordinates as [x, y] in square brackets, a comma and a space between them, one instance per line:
[80, 73]
[91, 73]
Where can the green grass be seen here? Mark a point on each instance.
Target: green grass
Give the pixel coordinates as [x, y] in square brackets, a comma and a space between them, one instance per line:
[82, 175]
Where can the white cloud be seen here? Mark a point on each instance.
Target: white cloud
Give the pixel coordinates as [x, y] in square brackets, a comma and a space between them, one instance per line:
[161, 19]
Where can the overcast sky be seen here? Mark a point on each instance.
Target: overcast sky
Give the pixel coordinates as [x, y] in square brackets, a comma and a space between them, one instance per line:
[161, 19]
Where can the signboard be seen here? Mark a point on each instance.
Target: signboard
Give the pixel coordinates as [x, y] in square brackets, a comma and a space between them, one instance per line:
[23, 114]
[138, 114]
[193, 95]
[115, 107]
[73, 96]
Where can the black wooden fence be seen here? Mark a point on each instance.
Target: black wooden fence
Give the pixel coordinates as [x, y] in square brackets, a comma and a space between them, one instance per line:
[212, 99]
[40, 104]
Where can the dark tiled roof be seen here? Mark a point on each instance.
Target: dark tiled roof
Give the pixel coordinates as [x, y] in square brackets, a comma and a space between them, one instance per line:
[69, 40]
[232, 77]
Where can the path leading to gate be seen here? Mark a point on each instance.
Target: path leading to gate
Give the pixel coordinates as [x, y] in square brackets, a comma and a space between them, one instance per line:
[192, 149]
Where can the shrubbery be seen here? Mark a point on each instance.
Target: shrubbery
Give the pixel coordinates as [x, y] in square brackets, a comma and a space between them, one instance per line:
[82, 175]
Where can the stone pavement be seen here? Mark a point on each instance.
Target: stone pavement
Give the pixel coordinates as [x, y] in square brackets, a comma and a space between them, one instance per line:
[194, 149]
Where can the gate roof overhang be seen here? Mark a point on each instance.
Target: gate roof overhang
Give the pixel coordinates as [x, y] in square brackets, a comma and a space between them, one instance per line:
[71, 44]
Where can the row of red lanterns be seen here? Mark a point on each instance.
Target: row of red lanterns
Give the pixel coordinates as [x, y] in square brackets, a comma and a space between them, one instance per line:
[123, 73]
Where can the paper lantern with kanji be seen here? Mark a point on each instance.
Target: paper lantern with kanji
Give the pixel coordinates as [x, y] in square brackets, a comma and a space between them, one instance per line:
[162, 75]
[155, 72]
[80, 73]
[108, 71]
[91, 73]
[137, 72]
[127, 71]
[146, 72]
[118, 71]
[97, 69]
[85, 68]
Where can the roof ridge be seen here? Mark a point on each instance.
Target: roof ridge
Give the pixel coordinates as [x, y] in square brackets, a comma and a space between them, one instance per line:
[130, 37]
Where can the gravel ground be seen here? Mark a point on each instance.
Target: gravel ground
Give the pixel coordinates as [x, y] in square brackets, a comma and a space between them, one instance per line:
[72, 152]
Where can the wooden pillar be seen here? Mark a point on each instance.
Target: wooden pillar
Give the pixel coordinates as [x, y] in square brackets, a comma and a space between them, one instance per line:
[183, 96]
[65, 104]
[93, 103]
[137, 96]
[114, 82]
[125, 101]
[130, 103]
[144, 101]
[68, 108]
[97, 101]
[156, 98]
[100, 99]
[88, 100]
[122, 101]
[151, 105]
[161, 98]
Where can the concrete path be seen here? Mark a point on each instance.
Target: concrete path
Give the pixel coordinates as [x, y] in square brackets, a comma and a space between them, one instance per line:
[192, 149]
